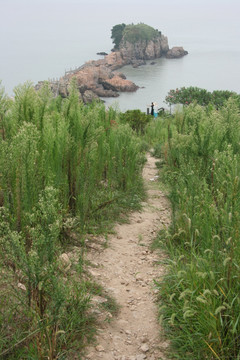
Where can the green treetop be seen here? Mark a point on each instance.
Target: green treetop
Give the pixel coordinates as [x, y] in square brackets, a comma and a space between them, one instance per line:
[117, 34]
[133, 33]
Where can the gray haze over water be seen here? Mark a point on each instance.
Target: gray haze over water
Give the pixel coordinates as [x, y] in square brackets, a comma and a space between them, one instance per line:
[39, 39]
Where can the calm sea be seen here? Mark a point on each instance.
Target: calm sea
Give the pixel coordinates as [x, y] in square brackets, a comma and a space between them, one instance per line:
[40, 39]
[211, 70]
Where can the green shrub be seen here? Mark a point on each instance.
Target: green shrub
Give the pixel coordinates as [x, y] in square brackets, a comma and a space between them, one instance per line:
[38, 268]
[61, 163]
[200, 306]
[139, 32]
[202, 97]
[137, 119]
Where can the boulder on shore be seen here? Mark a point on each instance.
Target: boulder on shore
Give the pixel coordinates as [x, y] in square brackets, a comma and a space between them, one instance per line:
[117, 83]
[176, 52]
[102, 53]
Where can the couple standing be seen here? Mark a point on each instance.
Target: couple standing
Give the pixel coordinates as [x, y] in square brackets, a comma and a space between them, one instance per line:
[152, 108]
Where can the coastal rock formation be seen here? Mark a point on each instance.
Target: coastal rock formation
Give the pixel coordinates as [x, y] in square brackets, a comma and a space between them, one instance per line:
[94, 79]
[99, 78]
[143, 49]
[176, 52]
[117, 83]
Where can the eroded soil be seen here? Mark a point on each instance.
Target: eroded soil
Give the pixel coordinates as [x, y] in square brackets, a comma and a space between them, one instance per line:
[127, 269]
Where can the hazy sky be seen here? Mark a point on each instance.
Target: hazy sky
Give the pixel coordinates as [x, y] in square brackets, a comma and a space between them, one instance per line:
[38, 38]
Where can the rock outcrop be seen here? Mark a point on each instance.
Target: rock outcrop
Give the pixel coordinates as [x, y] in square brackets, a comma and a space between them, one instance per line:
[143, 50]
[94, 79]
[176, 52]
[99, 78]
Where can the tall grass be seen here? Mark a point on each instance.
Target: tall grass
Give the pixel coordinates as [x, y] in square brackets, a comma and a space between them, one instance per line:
[61, 163]
[200, 292]
[81, 151]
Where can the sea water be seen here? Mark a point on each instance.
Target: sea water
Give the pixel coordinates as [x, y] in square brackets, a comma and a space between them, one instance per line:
[40, 39]
[211, 70]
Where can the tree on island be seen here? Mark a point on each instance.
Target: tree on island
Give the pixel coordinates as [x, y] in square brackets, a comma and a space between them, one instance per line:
[117, 34]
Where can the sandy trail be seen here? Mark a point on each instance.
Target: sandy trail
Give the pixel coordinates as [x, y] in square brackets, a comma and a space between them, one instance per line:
[126, 269]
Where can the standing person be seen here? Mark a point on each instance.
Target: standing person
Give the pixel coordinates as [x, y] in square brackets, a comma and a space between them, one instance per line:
[152, 109]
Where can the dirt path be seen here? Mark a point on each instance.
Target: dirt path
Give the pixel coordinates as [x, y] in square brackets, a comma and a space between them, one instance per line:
[126, 268]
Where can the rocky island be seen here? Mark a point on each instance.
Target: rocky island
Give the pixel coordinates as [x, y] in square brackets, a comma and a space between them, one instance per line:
[133, 45]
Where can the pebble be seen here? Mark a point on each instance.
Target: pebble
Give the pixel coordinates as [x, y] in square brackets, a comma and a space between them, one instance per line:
[99, 299]
[90, 356]
[65, 261]
[144, 348]
[139, 277]
[22, 286]
[100, 348]
[96, 312]
[95, 264]
[94, 273]
[141, 357]
[144, 339]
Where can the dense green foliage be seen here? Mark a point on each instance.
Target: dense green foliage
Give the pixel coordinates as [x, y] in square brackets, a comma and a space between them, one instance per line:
[139, 32]
[117, 34]
[133, 33]
[202, 97]
[64, 167]
[200, 302]
[137, 119]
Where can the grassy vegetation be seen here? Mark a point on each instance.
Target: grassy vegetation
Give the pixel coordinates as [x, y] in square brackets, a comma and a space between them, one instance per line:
[139, 32]
[199, 296]
[64, 168]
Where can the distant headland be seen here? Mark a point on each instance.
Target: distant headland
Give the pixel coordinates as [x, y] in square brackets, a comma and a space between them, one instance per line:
[133, 45]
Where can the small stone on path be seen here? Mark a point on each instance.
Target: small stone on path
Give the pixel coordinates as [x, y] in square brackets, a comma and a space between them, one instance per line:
[145, 348]
[141, 357]
[100, 348]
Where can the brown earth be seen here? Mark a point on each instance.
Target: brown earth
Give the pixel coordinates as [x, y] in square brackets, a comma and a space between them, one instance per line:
[126, 269]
